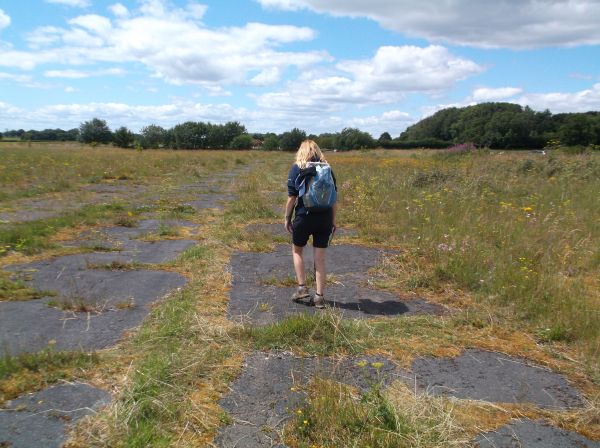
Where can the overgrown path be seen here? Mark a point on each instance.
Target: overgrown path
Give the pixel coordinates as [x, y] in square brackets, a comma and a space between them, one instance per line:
[67, 307]
[225, 359]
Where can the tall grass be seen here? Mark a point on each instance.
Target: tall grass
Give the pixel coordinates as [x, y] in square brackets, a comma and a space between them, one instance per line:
[335, 416]
[522, 234]
[30, 170]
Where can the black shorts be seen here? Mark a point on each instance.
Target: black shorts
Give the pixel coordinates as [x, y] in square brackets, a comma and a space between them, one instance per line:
[319, 225]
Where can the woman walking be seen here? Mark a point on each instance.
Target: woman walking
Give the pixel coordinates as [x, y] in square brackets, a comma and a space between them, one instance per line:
[320, 223]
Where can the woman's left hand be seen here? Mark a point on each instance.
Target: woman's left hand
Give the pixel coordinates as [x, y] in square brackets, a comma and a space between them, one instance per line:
[288, 225]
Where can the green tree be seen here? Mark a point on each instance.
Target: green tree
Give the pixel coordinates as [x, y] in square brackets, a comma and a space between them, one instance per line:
[231, 130]
[189, 135]
[95, 130]
[384, 138]
[123, 137]
[153, 136]
[243, 141]
[352, 138]
[291, 140]
[326, 141]
[577, 130]
[270, 143]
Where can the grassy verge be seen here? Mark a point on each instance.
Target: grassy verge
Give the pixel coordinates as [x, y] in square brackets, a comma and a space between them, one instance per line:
[183, 356]
[17, 290]
[32, 371]
[334, 415]
[520, 235]
[325, 333]
[35, 236]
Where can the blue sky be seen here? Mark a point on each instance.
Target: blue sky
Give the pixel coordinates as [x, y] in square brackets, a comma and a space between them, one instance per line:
[320, 65]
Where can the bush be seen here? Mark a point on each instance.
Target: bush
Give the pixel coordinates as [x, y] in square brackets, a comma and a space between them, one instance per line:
[123, 137]
[271, 143]
[243, 141]
[352, 138]
[95, 130]
[290, 141]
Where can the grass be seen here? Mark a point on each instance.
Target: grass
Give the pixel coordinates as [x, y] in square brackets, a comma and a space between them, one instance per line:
[325, 333]
[13, 290]
[522, 236]
[509, 240]
[34, 236]
[33, 371]
[334, 415]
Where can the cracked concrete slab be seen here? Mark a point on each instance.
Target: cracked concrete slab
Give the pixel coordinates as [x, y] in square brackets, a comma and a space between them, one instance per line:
[495, 377]
[258, 294]
[41, 419]
[29, 327]
[53, 205]
[264, 305]
[533, 434]
[119, 300]
[269, 390]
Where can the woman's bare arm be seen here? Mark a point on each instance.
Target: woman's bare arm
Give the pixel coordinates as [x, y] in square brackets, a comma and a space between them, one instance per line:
[289, 211]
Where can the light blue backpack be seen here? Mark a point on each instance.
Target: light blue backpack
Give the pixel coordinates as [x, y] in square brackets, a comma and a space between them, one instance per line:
[319, 192]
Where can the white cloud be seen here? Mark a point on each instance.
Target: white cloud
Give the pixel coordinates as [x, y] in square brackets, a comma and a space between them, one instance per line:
[4, 19]
[172, 44]
[556, 102]
[482, 94]
[386, 78]
[266, 77]
[44, 36]
[392, 121]
[94, 23]
[71, 74]
[16, 78]
[23, 80]
[196, 10]
[79, 74]
[581, 101]
[505, 23]
[119, 10]
[67, 116]
[70, 89]
[74, 3]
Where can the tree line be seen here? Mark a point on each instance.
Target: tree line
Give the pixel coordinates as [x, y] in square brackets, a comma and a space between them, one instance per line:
[198, 135]
[492, 125]
[505, 126]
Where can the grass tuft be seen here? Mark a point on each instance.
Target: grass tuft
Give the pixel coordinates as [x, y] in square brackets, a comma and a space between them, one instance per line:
[335, 415]
[321, 333]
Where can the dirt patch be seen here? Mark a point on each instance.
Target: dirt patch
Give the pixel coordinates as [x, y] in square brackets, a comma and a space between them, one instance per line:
[495, 377]
[269, 391]
[533, 434]
[40, 419]
[252, 297]
[120, 237]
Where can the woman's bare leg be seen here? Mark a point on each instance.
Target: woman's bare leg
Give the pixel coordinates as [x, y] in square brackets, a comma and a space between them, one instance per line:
[320, 270]
[299, 264]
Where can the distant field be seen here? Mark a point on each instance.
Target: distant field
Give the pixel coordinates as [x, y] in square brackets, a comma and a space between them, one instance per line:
[509, 240]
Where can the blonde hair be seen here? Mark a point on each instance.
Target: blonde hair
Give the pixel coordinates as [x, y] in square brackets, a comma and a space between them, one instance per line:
[308, 151]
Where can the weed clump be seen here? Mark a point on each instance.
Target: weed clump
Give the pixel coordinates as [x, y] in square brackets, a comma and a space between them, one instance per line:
[334, 415]
[321, 333]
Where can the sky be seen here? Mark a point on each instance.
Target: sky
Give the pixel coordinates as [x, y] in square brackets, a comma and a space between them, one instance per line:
[319, 65]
